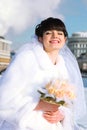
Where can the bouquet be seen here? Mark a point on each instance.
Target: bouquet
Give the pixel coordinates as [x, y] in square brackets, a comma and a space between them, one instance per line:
[58, 92]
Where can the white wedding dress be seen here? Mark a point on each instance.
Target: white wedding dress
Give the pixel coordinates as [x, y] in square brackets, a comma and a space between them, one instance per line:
[30, 70]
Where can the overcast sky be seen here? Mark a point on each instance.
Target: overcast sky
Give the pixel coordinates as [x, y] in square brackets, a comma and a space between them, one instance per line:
[18, 18]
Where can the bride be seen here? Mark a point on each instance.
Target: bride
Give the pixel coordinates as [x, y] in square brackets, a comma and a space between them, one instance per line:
[45, 59]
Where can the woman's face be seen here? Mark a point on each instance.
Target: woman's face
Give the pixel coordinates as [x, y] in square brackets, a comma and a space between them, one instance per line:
[53, 40]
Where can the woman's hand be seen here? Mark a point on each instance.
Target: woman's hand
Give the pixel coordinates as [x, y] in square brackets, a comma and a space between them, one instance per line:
[50, 112]
[53, 117]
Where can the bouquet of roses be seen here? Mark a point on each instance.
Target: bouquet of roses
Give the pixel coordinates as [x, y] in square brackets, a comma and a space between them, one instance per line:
[58, 92]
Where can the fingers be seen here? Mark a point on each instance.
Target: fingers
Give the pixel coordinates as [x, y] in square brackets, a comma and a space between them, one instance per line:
[50, 117]
[53, 117]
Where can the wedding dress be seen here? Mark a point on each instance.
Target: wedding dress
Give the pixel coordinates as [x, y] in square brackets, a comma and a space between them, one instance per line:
[30, 70]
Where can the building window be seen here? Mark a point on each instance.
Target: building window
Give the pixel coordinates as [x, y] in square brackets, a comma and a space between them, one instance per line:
[84, 66]
[78, 45]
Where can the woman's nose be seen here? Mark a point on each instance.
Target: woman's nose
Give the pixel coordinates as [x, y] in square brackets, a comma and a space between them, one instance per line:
[55, 35]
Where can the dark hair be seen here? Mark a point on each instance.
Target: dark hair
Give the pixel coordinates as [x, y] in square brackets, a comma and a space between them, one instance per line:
[50, 24]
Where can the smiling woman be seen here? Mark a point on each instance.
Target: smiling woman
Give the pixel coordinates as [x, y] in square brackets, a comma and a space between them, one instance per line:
[45, 64]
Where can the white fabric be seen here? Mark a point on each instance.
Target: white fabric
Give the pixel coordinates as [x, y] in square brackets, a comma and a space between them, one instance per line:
[30, 70]
[76, 79]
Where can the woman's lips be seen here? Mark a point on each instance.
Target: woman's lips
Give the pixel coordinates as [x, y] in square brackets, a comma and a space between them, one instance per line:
[54, 41]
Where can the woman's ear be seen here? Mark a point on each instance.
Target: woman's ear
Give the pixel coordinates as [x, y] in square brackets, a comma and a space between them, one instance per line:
[40, 39]
[66, 39]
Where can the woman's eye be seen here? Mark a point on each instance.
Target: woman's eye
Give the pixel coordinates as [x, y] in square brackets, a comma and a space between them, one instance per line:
[47, 33]
[60, 33]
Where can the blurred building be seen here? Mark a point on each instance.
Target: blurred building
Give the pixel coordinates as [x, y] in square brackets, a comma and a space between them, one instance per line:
[78, 45]
[5, 48]
[82, 61]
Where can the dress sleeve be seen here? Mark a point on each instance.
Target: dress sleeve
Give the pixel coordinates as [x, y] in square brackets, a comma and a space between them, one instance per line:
[16, 86]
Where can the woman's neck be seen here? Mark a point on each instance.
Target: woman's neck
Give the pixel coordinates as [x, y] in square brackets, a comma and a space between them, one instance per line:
[53, 56]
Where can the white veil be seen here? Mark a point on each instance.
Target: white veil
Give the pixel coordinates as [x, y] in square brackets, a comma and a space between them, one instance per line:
[76, 79]
[74, 76]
